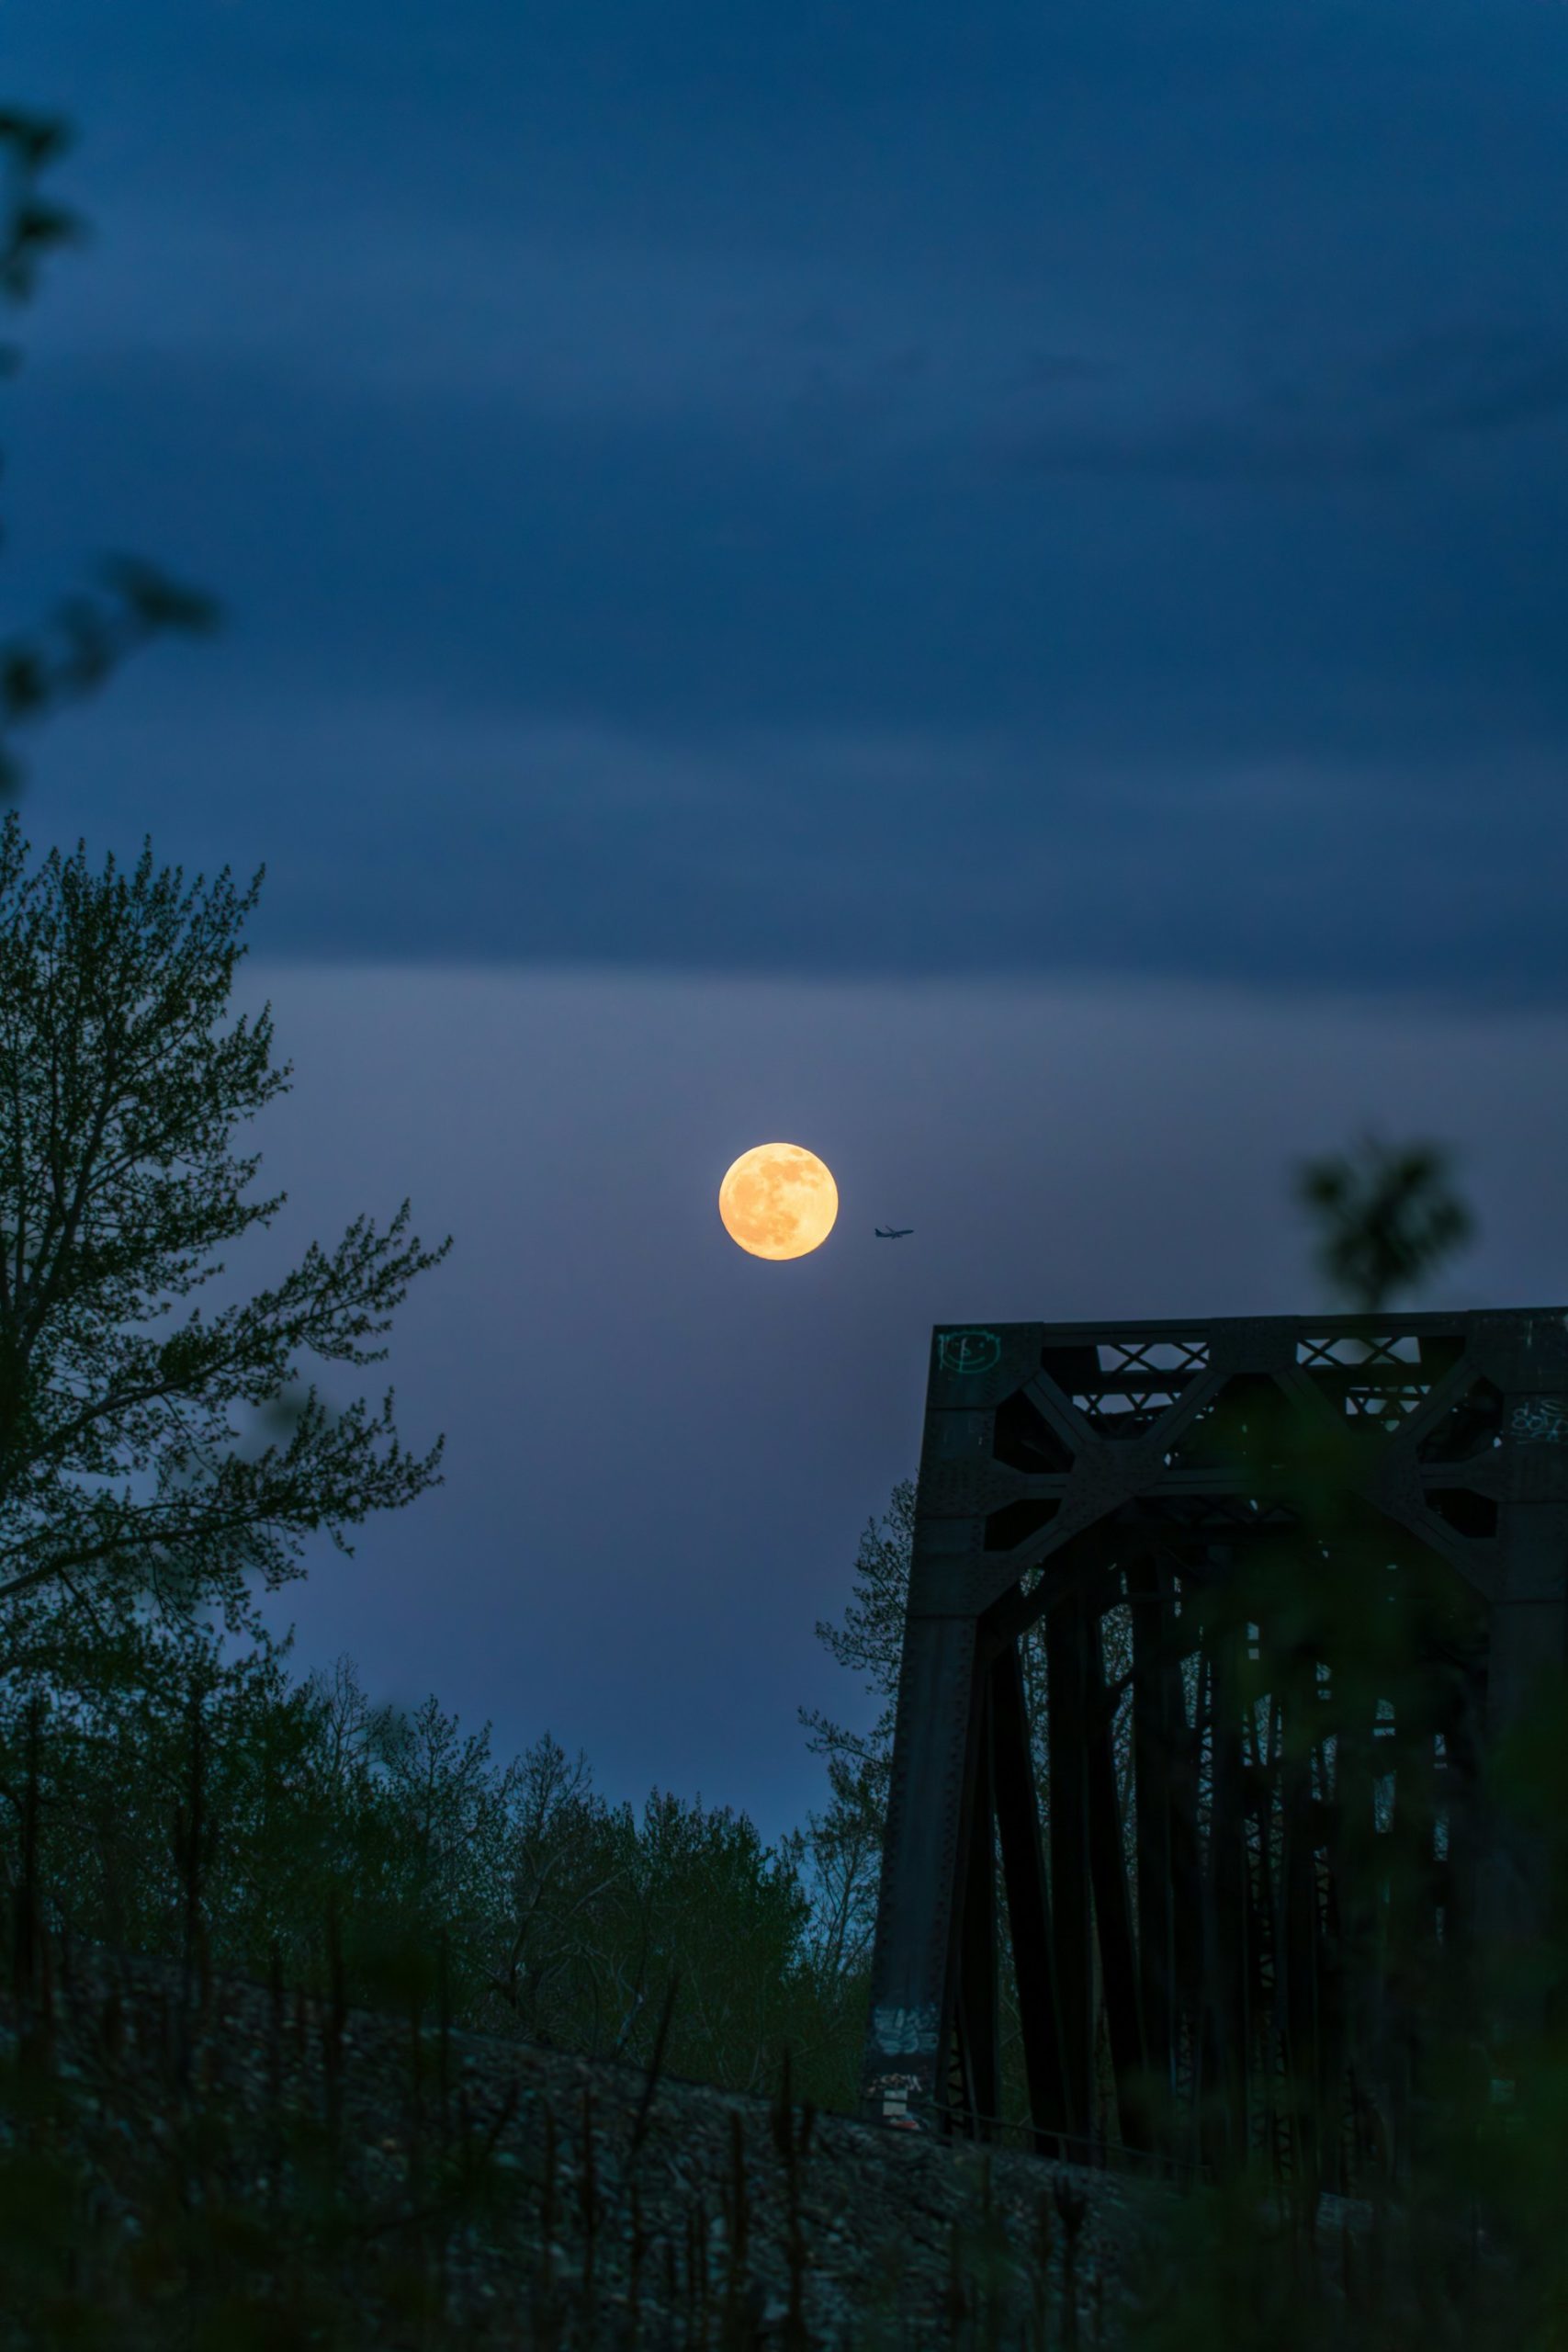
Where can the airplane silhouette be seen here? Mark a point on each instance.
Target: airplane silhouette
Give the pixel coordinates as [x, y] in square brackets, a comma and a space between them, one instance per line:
[893, 1232]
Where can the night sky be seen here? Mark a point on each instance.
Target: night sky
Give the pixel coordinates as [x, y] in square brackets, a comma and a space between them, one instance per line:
[982, 590]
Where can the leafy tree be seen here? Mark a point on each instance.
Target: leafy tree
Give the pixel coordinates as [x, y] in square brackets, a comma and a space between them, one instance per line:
[555, 1916]
[123, 1482]
[609, 1914]
[121, 1474]
[116, 1710]
[846, 1841]
[310, 1797]
[714, 1908]
[566, 1881]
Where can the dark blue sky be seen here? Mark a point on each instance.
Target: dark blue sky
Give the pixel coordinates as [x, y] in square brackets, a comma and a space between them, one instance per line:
[661, 1451]
[885, 488]
[887, 503]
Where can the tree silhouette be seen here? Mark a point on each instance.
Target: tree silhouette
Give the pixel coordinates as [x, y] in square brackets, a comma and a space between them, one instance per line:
[121, 1471]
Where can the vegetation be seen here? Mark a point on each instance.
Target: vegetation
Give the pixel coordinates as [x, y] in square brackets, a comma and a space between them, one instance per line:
[143, 2207]
[566, 1918]
[164, 1801]
[122, 1474]
[161, 1800]
[230, 1821]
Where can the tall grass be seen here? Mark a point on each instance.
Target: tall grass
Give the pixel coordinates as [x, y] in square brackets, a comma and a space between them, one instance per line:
[140, 2207]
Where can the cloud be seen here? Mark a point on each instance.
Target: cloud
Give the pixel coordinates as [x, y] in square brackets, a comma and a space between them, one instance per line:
[845, 495]
[395, 828]
[1478, 379]
[1377, 419]
[1041, 370]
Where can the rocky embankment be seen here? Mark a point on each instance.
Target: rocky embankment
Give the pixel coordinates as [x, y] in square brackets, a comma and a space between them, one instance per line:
[533, 2198]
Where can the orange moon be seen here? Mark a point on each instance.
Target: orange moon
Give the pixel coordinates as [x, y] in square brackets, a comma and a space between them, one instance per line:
[778, 1200]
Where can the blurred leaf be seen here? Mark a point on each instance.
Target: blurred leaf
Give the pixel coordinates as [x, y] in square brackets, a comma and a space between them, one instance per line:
[90, 641]
[1387, 1218]
[158, 600]
[24, 682]
[36, 139]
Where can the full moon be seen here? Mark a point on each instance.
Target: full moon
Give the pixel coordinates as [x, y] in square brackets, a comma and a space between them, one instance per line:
[778, 1201]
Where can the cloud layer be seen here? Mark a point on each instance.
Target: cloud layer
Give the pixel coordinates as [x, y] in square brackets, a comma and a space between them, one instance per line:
[886, 495]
